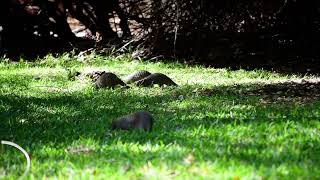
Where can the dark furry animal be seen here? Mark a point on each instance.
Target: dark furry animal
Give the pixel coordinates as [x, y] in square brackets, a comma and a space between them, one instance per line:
[109, 80]
[95, 75]
[136, 76]
[142, 120]
[156, 78]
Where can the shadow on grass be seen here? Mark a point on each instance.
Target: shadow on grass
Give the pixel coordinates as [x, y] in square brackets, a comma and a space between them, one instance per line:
[215, 124]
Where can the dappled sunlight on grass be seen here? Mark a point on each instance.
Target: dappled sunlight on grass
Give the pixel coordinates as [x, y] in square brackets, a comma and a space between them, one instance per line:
[204, 128]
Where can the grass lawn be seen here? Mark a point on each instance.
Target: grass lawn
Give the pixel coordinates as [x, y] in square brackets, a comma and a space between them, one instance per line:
[217, 124]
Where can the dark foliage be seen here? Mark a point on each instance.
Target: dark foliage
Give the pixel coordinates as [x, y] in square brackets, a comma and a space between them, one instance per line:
[256, 32]
[262, 33]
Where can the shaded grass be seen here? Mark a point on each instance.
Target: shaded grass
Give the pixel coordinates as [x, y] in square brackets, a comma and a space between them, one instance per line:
[222, 136]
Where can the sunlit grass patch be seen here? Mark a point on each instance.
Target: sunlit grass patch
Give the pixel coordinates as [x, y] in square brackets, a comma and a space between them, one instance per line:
[217, 124]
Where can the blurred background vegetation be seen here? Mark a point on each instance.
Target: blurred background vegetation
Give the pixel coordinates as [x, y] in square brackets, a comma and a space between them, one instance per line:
[279, 35]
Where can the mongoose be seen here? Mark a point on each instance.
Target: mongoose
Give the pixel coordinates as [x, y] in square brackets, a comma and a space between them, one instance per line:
[136, 76]
[109, 80]
[95, 75]
[142, 120]
[156, 78]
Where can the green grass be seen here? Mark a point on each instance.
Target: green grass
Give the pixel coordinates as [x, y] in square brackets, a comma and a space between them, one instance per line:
[226, 135]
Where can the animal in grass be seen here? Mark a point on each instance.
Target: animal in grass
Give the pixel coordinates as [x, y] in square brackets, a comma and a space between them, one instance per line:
[156, 78]
[136, 76]
[141, 120]
[109, 80]
[94, 75]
